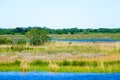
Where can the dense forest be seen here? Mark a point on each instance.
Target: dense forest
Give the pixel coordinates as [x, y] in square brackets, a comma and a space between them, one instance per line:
[22, 31]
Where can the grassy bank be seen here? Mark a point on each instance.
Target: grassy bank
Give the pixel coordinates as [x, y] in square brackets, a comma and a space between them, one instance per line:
[63, 66]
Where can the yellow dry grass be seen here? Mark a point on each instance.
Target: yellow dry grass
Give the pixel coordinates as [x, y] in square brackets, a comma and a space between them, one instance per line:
[109, 48]
[112, 49]
[24, 66]
[53, 67]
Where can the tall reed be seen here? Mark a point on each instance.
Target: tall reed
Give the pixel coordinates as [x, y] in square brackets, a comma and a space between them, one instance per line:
[24, 66]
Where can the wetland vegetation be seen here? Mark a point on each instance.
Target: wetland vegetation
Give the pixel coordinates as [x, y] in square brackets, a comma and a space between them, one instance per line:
[35, 52]
[63, 66]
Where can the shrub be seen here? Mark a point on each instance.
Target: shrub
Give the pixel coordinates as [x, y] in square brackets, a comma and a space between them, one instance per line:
[40, 63]
[75, 63]
[37, 37]
[94, 64]
[16, 62]
[79, 63]
[65, 63]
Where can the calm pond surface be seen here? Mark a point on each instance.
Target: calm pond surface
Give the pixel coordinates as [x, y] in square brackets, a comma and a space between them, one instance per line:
[58, 76]
[86, 40]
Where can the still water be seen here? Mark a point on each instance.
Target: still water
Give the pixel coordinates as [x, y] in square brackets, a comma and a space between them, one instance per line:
[85, 40]
[58, 76]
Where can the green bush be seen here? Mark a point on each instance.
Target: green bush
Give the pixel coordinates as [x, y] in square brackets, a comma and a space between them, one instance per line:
[79, 63]
[65, 63]
[94, 64]
[75, 63]
[40, 63]
[37, 37]
[16, 62]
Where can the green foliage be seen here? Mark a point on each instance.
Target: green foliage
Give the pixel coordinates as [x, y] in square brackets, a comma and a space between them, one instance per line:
[19, 48]
[112, 63]
[73, 66]
[94, 64]
[16, 62]
[4, 40]
[20, 30]
[20, 41]
[37, 37]
[65, 63]
[78, 63]
[40, 63]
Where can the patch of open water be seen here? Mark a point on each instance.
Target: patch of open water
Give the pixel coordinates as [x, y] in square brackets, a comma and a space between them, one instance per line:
[58, 76]
[86, 40]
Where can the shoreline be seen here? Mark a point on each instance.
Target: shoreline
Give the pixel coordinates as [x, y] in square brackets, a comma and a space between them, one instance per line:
[59, 72]
[62, 66]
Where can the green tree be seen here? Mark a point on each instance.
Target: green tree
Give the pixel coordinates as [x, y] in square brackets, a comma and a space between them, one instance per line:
[37, 37]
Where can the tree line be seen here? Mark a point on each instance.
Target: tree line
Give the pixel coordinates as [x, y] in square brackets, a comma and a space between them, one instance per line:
[22, 31]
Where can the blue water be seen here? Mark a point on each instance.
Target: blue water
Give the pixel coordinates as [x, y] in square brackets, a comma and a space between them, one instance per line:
[58, 76]
[86, 40]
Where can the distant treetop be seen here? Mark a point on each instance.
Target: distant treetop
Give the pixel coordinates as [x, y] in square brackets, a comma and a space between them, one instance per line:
[22, 31]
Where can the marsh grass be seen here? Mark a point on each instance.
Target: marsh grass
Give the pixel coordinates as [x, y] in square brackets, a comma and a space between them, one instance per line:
[19, 48]
[109, 48]
[90, 66]
[73, 36]
[15, 48]
[24, 66]
[39, 63]
[63, 66]
[4, 40]
[10, 66]
[53, 67]
[62, 47]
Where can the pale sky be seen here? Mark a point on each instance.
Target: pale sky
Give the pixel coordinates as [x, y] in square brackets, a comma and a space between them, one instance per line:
[60, 13]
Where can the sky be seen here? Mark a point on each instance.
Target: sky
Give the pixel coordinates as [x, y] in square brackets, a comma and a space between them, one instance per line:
[60, 13]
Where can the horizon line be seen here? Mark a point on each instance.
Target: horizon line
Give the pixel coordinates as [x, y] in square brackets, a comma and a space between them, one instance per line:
[57, 28]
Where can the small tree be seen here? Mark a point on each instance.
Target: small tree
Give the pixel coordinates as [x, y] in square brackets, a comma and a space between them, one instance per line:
[37, 37]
